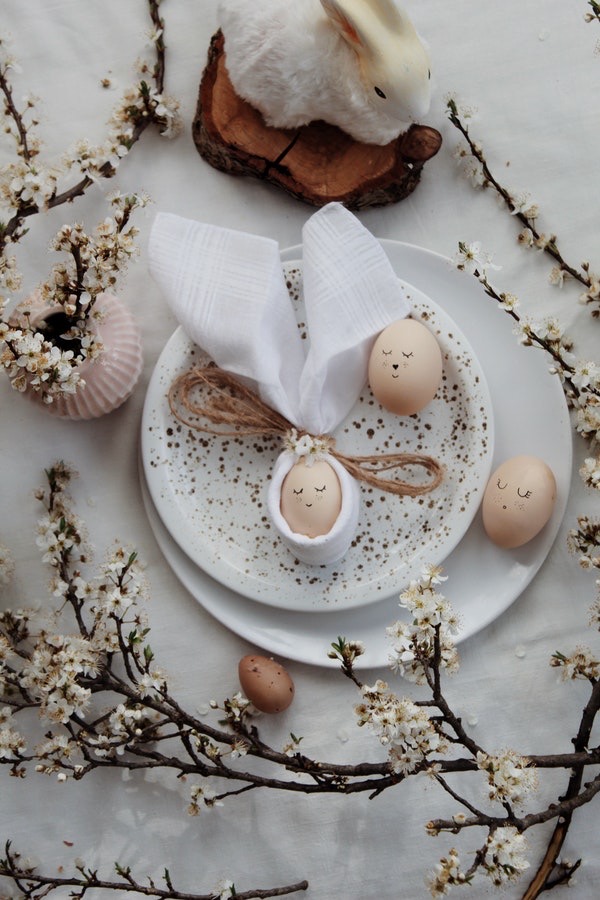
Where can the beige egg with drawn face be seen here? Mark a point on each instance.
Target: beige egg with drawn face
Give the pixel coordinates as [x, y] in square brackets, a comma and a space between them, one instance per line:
[518, 501]
[405, 367]
[311, 498]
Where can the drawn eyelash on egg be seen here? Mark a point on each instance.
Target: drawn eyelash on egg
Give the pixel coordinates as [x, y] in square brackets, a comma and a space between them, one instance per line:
[387, 352]
[297, 493]
[501, 486]
[320, 491]
[407, 355]
[525, 496]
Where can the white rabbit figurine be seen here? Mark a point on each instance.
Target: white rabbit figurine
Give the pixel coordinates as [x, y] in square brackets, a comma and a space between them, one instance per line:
[357, 64]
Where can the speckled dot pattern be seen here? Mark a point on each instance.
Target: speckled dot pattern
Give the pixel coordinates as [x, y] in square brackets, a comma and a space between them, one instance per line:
[211, 491]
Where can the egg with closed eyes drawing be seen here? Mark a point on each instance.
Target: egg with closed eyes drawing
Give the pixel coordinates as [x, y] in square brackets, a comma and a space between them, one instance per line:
[518, 501]
[405, 367]
[311, 498]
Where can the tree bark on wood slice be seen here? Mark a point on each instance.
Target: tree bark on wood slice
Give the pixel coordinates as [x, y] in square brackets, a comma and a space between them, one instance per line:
[317, 163]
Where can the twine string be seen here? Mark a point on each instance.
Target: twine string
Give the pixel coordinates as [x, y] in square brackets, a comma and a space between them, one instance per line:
[211, 393]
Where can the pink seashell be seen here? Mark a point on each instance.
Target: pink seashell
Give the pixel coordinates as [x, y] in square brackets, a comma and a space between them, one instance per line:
[112, 376]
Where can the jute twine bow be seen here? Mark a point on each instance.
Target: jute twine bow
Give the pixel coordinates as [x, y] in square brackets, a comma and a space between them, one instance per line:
[224, 400]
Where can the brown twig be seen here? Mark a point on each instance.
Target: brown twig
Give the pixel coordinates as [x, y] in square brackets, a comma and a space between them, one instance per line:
[572, 793]
[30, 882]
[15, 115]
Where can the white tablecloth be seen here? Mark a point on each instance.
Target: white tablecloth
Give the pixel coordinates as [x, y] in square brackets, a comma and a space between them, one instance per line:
[532, 73]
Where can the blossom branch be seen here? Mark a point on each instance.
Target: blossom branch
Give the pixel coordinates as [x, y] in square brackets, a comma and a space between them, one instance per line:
[526, 213]
[35, 885]
[11, 111]
[50, 334]
[109, 706]
[580, 379]
[29, 189]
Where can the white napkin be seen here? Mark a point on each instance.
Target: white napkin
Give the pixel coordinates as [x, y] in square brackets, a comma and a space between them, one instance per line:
[227, 290]
[351, 293]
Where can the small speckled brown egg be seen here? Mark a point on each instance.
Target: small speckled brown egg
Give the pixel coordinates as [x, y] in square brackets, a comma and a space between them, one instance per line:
[405, 367]
[518, 501]
[266, 683]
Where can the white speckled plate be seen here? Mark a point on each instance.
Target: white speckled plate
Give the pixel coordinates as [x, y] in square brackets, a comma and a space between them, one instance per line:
[210, 491]
[483, 580]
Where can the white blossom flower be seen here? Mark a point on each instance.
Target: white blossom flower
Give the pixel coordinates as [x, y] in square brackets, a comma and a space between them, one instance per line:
[10, 278]
[509, 302]
[224, 890]
[57, 745]
[473, 171]
[90, 160]
[400, 725]
[521, 203]
[587, 418]
[239, 748]
[6, 650]
[557, 276]
[307, 447]
[595, 608]
[154, 34]
[593, 292]
[471, 258]
[69, 699]
[54, 537]
[202, 795]
[150, 682]
[543, 241]
[550, 329]
[140, 102]
[526, 237]
[523, 331]
[447, 875]
[236, 706]
[504, 860]
[433, 574]
[590, 472]
[582, 663]
[25, 184]
[433, 622]
[586, 374]
[53, 672]
[12, 744]
[510, 777]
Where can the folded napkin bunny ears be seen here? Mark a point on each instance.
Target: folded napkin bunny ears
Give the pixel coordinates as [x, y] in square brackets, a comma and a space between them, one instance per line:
[227, 289]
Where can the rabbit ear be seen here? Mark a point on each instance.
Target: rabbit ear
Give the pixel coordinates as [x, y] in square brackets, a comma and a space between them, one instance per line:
[364, 23]
[344, 23]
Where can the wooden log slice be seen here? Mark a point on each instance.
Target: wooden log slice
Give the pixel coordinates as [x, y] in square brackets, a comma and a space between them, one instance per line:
[317, 163]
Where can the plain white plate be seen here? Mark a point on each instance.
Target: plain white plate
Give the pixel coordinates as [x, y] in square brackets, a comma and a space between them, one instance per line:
[530, 416]
[210, 491]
